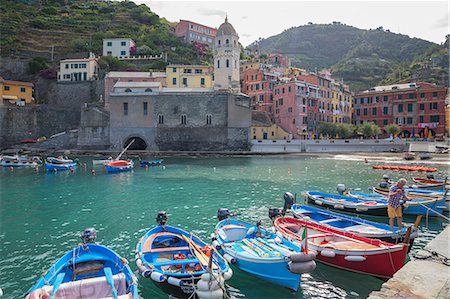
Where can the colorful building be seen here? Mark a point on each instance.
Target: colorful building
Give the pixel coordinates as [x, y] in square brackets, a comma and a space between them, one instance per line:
[112, 78]
[263, 128]
[259, 89]
[118, 47]
[16, 92]
[416, 107]
[194, 32]
[191, 76]
[277, 59]
[447, 114]
[84, 69]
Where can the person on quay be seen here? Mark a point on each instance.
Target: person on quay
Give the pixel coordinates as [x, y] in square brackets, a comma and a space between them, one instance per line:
[395, 201]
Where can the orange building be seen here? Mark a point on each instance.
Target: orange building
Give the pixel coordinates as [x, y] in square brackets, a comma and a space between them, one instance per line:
[16, 92]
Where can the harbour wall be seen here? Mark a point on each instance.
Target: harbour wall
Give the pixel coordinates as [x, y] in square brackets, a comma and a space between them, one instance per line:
[421, 278]
[327, 146]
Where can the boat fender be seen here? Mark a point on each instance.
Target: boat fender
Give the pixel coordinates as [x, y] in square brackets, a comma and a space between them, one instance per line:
[355, 258]
[302, 257]
[142, 268]
[278, 240]
[229, 258]
[328, 253]
[227, 275]
[318, 202]
[39, 294]
[213, 236]
[175, 281]
[301, 268]
[251, 230]
[217, 294]
[338, 206]
[216, 245]
[362, 209]
[157, 276]
[210, 282]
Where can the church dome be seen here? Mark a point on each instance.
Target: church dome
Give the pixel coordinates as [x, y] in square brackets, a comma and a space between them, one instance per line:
[226, 29]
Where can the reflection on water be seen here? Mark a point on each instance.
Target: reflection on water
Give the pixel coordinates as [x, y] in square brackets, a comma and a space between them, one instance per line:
[42, 214]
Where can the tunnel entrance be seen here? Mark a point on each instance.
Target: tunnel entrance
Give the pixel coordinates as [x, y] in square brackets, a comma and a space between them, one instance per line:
[138, 145]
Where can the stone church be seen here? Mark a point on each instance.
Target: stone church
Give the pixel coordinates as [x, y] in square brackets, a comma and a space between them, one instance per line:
[137, 106]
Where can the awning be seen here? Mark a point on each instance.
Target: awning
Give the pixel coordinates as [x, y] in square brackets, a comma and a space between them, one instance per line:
[9, 97]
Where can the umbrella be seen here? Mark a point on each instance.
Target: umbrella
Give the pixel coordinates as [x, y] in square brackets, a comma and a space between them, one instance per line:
[425, 132]
[413, 134]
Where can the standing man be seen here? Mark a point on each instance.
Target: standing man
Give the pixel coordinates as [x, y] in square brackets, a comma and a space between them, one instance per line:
[396, 195]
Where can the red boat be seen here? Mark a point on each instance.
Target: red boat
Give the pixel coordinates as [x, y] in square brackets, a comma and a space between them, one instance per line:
[430, 183]
[405, 168]
[28, 141]
[346, 250]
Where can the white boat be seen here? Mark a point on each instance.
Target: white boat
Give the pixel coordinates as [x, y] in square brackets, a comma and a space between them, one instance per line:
[59, 160]
[101, 162]
[19, 161]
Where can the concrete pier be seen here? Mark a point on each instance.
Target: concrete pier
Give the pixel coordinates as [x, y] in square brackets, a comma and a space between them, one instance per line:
[421, 278]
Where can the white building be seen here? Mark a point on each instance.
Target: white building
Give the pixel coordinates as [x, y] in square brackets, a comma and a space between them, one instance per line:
[117, 47]
[83, 69]
[226, 58]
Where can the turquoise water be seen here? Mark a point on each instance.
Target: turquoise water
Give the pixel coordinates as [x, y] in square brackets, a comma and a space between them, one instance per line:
[42, 214]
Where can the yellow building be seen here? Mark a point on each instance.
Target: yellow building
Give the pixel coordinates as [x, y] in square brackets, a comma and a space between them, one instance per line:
[293, 72]
[191, 76]
[16, 92]
[263, 128]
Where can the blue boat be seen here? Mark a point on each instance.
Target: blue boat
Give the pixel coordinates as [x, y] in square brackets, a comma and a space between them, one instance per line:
[347, 203]
[345, 223]
[178, 262]
[151, 162]
[65, 166]
[261, 253]
[87, 271]
[417, 206]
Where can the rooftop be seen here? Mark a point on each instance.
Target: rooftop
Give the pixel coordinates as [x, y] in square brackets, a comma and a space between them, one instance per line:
[135, 75]
[123, 84]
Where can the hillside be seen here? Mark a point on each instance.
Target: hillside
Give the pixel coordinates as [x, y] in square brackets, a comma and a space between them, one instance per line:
[363, 58]
[30, 28]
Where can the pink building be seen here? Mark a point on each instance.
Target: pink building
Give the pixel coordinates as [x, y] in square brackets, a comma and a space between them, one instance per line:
[258, 89]
[290, 104]
[279, 60]
[194, 32]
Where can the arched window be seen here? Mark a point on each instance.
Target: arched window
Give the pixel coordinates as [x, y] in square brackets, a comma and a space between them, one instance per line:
[148, 90]
[208, 119]
[227, 42]
[218, 42]
[127, 90]
[228, 63]
[235, 44]
[218, 63]
[235, 64]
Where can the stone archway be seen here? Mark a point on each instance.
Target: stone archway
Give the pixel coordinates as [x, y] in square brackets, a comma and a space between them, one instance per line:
[138, 145]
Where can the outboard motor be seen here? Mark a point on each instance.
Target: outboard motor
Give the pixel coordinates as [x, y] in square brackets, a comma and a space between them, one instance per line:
[223, 213]
[384, 185]
[341, 189]
[274, 213]
[162, 218]
[289, 200]
[430, 176]
[89, 235]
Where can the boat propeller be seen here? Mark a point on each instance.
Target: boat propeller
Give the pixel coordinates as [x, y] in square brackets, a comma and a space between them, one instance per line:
[162, 218]
[89, 235]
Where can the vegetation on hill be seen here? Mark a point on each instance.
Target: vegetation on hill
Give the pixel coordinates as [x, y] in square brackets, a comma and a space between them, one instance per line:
[363, 58]
[32, 28]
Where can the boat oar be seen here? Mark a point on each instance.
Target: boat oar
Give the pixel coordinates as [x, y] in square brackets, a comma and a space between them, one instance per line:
[202, 258]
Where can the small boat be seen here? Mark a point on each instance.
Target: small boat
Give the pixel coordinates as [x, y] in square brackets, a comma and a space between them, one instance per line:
[405, 168]
[180, 263]
[60, 163]
[28, 141]
[347, 203]
[88, 271]
[101, 162]
[151, 162]
[425, 156]
[119, 166]
[419, 205]
[345, 250]
[430, 182]
[345, 223]
[409, 156]
[262, 253]
[19, 161]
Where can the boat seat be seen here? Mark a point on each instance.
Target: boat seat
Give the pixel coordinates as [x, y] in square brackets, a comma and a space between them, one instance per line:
[97, 287]
[349, 245]
[147, 246]
[88, 267]
[175, 262]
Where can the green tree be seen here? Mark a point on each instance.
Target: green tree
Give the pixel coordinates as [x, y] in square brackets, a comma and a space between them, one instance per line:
[37, 64]
[369, 129]
[345, 130]
[392, 129]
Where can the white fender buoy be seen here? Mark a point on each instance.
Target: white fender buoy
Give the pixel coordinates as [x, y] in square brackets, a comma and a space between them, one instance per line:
[208, 283]
[301, 268]
[362, 209]
[216, 245]
[251, 230]
[157, 276]
[216, 294]
[355, 258]
[229, 258]
[141, 267]
[1, 292]
[318, 202]
[227, 275]
[301, 257]
[328, 253]
[175, 281]
[338, 206]
[278, 240]
[213, 236]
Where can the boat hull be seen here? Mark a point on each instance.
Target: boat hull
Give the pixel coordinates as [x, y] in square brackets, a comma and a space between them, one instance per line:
[66, 166]
[119, 166]
[382, 211]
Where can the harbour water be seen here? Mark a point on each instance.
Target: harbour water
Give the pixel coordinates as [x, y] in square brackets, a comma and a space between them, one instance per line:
[42, 214]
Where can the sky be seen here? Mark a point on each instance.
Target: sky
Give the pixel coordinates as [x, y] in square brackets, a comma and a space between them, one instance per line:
[428, 20]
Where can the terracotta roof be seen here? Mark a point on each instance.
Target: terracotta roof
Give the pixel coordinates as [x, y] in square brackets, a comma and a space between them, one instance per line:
[18, 83]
